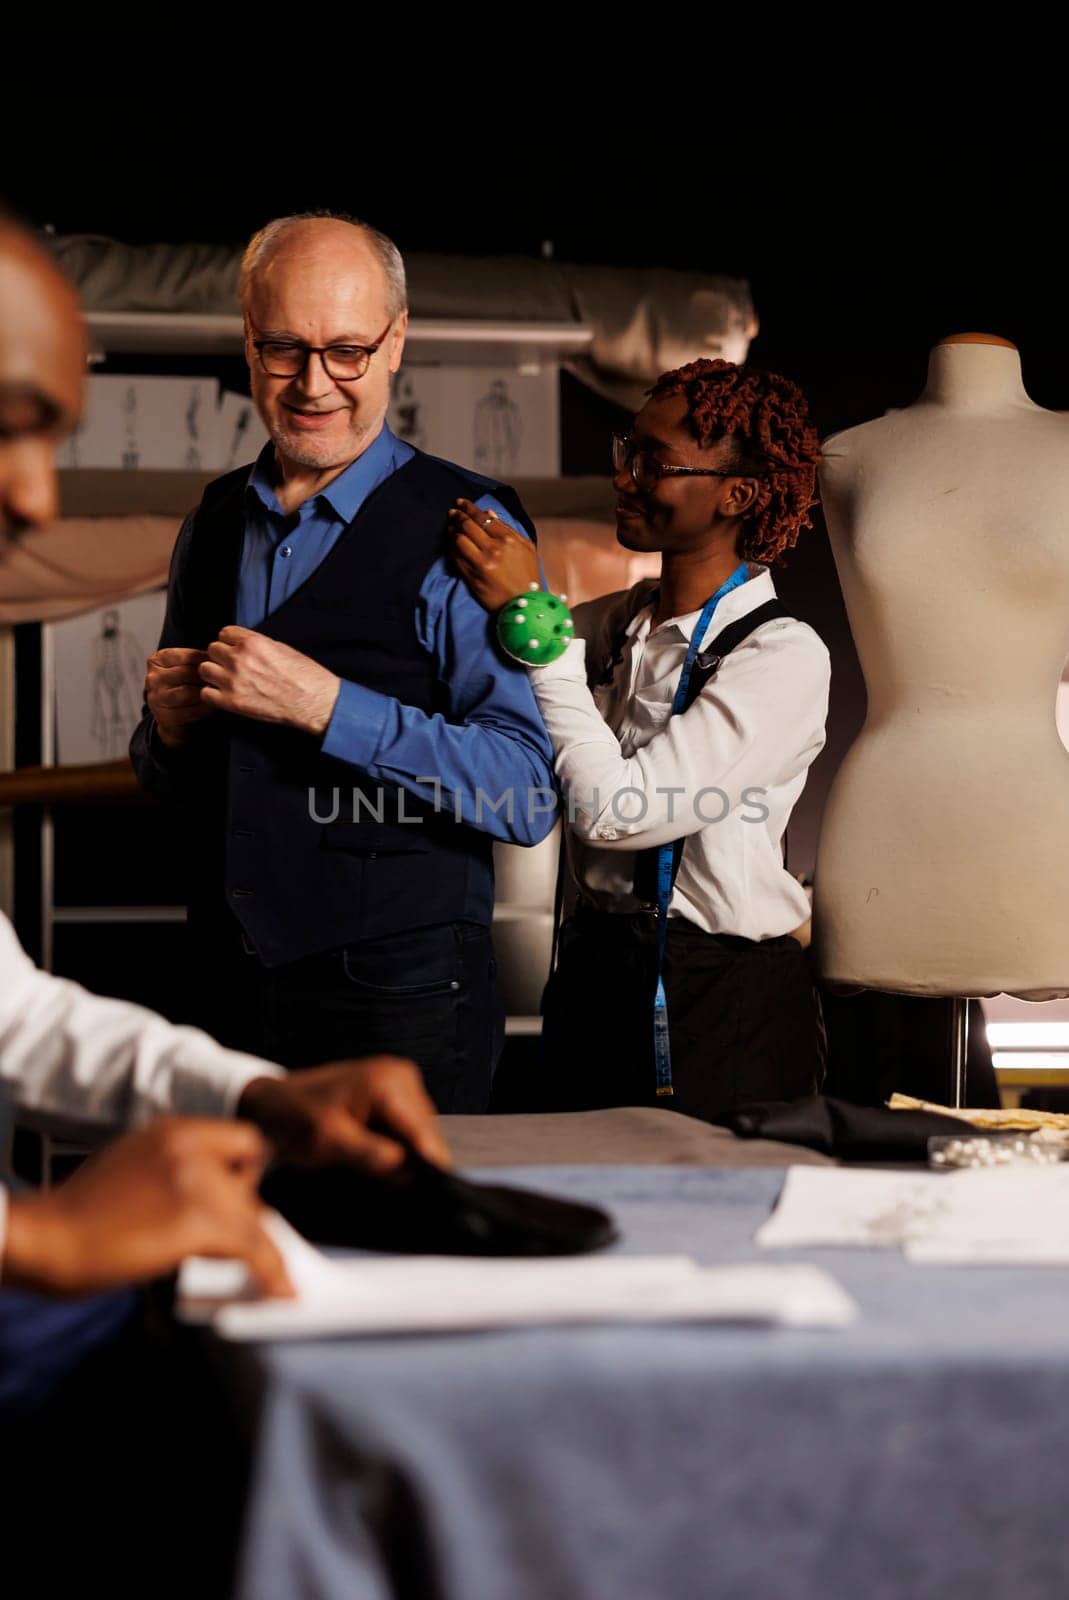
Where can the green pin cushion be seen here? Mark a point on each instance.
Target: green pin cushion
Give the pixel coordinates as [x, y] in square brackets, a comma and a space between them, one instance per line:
[535, 628]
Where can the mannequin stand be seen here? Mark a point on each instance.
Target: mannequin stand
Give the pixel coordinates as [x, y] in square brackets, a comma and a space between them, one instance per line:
[959, 1050]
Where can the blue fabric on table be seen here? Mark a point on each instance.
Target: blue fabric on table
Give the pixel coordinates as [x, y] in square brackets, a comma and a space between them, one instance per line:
[917, 1453]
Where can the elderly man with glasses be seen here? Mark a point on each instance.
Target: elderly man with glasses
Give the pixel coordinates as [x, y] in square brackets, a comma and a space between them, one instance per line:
[326, 702]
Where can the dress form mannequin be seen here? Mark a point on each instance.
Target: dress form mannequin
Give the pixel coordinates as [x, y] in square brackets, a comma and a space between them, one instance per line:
[943, 864]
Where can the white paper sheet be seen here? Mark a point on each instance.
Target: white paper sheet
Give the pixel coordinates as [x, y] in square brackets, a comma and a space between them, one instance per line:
[1012, 1252]
[421, 1294]
[1006, 1214]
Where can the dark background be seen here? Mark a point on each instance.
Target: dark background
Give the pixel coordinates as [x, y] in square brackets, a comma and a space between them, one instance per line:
[855, 272]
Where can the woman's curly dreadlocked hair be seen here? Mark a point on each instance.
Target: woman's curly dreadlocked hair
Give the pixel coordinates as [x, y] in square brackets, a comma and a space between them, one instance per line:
[767, 419]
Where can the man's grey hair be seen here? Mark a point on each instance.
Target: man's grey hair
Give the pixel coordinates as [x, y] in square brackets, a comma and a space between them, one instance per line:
[263, 245]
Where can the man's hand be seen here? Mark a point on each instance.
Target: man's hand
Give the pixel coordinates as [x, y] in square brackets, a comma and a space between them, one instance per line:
[172, 693]
[369, 1112]
[182, 1187]
[254, 676]
[495, 561]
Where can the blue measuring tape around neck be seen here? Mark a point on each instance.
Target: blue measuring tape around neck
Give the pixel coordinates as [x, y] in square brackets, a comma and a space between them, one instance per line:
[662, 1048]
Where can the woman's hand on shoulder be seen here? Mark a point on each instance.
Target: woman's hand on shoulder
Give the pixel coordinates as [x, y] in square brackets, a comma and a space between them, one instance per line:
[495, 561]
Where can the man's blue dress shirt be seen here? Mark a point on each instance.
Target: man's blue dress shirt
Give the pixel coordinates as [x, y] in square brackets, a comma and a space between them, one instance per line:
[494, 740]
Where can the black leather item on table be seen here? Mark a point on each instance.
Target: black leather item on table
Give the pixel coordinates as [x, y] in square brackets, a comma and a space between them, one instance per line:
[425, 1211]
[850, 1132]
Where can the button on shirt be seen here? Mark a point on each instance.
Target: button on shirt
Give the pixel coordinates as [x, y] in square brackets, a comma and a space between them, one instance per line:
[725, 774]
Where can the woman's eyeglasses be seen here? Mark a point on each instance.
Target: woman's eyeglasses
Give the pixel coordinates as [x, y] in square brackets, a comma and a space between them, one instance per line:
[647, 472]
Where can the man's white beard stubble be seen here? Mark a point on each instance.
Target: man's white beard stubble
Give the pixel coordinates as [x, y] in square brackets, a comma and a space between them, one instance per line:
[304, 451]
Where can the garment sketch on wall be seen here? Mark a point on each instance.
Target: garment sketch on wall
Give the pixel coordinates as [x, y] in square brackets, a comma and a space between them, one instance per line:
[117, 675]
[498, 431]
[99, 667]
[131, 455]
[237, 434]
[238, 431]
[138, 422]
[502, 422]
[193, 459]
[408, 418]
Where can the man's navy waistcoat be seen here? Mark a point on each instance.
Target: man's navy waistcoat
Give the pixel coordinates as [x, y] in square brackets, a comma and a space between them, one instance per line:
[261, 793]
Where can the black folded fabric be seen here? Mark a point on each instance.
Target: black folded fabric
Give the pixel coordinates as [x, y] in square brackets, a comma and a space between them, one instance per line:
[840, 1128]
[425, 1211]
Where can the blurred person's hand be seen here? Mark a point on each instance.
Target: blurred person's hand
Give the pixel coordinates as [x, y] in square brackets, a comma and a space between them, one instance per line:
[370, 1112]
[182, 1187]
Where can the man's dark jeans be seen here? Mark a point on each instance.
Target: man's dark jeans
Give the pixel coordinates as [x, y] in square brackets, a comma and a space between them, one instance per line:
[426, 993]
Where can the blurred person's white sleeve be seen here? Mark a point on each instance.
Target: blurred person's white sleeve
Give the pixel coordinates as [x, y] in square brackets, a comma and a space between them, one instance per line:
[76, 1055]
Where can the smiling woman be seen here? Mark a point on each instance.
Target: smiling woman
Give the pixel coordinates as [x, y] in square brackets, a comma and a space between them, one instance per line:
[684, 718]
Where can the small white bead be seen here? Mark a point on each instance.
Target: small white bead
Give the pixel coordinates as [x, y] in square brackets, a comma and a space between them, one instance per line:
[532, 644]
[521, 602]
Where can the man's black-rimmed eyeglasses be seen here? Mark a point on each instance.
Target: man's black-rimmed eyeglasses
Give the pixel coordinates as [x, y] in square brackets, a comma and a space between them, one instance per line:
[287, 358]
